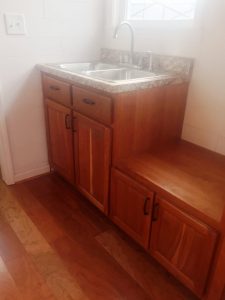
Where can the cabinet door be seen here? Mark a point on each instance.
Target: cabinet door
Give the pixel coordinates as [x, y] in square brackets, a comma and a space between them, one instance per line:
[60, 138]
[93, 159]
[184, 245]
[131, 207]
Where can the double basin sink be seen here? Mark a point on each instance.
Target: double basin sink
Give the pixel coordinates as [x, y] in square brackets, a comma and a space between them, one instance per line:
[108, 72]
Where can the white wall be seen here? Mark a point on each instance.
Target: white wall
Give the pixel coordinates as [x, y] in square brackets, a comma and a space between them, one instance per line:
[205, 40]
[58, 31]
[68, 30]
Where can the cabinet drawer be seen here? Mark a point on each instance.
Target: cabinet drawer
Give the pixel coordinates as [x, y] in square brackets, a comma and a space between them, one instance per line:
[93, 105]
[57, 90]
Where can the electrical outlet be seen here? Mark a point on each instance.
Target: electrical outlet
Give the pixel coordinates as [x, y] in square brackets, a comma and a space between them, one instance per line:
[15, 24]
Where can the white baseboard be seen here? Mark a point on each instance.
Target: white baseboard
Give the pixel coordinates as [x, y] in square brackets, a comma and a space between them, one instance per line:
[32, 173]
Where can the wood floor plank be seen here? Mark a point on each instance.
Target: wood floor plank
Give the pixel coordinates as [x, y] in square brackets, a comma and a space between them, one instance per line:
[49, 265]
[20, 267]
[98, 273]
[10, 246]
[8, 290]
[40, 216]
[56, 245]
[89, 263]
[30, 283]
[142, 268]
[67, 202]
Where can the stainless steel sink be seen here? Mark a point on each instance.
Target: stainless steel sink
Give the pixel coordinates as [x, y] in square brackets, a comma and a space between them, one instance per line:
[84, 67]
[120, 74]
[107, 72]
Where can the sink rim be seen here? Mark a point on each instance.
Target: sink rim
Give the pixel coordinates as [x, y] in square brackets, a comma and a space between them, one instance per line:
[146, 75]
[105, 66]
[113, 82]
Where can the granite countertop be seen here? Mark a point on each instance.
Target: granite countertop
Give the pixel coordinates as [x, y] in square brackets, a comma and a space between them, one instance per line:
[172, 70]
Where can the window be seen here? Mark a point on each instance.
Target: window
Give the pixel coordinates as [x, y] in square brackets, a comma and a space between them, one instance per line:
[160, 10]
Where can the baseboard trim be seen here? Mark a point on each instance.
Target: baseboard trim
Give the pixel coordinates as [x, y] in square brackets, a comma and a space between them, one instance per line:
[31, 174]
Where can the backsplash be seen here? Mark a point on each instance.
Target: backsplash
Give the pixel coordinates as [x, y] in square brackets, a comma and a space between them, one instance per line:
[177, 65]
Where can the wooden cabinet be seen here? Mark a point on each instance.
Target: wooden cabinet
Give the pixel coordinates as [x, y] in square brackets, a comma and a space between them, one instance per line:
[80, 146]
[182, 244]
[60, 138]
[131, 207]
[93, 105]
[93, 159]
[57, 90]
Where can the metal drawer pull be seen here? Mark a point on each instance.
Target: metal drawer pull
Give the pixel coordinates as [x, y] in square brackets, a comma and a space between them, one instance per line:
[88, 101]
[54, 88]
[68, 121]
[146, 212]
[155, 212]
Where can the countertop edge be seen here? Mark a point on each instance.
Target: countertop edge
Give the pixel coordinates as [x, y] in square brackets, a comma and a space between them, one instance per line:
[113, 88]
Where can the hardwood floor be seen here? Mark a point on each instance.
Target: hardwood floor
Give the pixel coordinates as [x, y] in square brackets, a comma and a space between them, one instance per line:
[55, 245]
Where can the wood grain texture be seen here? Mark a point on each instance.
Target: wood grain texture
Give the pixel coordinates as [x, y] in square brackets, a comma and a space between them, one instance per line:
[137, 122]
[157, 282]
[45, 259]
[57, 90]
[216, 287]
[146, 119]
[28, 280]
[189, 176]
[8, 289]
[93, 105]
[131, 207]
[183, 245]
[66, 254]
[92, 146]
[174, 104]
[60, 139]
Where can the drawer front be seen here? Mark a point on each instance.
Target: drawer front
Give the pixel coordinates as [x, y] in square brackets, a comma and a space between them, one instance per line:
[57, 90]
[93, 105]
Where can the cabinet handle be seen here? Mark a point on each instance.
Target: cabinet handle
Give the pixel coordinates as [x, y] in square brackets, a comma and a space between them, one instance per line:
[54, 88]
[88, 101]
[146, 212]
[155, 212]
[68, 121]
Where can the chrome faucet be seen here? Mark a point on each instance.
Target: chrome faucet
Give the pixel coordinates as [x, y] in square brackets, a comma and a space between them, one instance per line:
[115, 36]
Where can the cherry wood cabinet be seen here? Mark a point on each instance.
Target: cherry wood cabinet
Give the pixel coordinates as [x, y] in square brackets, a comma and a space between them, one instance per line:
[93, 105]
[60, 138]
[131, 207]
[57, 90]
[182, 244]
[81, 125]
[92, 146]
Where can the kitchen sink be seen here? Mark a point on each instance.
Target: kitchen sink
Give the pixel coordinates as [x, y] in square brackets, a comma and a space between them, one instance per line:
[84, 67]
[107, 72]
[120, 74]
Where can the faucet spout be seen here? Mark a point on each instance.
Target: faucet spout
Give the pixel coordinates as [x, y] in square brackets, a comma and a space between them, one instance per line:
[115, 36]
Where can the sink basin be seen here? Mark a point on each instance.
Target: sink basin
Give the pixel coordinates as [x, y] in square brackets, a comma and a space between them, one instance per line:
[106, 72]
[120, 75]
[84, 67]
